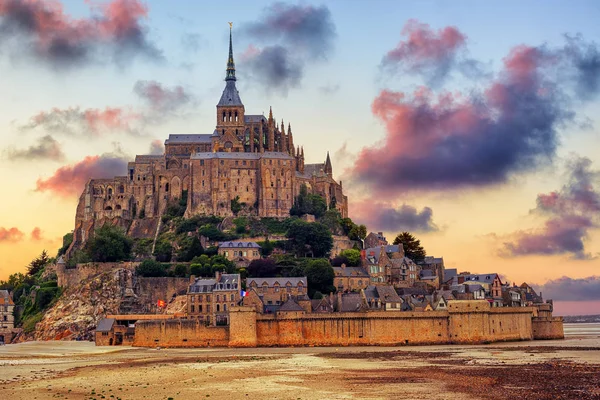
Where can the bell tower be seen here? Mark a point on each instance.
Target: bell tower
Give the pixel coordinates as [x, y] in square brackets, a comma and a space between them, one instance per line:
[230, 109]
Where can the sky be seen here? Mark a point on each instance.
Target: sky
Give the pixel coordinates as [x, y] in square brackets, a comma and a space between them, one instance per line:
[474, 125]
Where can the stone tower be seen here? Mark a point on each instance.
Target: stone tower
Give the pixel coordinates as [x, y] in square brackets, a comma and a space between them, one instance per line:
[230, 109]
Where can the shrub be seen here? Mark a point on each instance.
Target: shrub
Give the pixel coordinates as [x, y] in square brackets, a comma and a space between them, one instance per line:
[151, 268]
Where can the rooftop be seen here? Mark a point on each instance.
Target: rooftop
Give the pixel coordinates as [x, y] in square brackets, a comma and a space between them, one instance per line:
[238, 244]
[188, 138]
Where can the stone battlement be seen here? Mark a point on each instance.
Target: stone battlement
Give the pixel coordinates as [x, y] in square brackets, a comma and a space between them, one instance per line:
[464, 322]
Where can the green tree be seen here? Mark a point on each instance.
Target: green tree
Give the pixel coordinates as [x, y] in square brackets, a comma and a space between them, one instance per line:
[319, 274]
[310, 238]
[236, 206]
[180, 270]
[38, 263]
[308, 203]
[262, 268]
[353, 257]
[163, 250]
[109, 244]
[151, 268]
[412, 246]
[358, 232]
[67, 240]
[190, 248]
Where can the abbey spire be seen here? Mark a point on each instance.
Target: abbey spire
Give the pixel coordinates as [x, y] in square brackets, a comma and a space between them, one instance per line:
[230, 76]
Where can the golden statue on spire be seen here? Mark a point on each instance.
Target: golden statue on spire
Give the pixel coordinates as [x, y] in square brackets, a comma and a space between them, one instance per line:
[230, 25]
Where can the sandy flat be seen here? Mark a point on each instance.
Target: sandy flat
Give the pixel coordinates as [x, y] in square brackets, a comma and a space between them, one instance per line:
[561, 369]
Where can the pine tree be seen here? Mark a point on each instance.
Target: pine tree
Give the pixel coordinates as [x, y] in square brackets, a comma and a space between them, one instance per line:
[412, 246]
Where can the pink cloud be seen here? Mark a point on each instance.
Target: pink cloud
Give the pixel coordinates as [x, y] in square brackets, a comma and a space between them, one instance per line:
[11, 235]
[69, 180]
[36, 234]
[58, 37]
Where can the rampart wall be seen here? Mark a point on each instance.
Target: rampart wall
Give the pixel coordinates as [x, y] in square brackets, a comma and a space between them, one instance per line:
[179, 333]
[548, 328]
[464, 322]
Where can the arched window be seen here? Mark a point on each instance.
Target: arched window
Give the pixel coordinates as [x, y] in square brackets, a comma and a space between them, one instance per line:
[229, 116]
[166, 187]
[218, 308]
[121, 189]
[224, 307]
[236, 117]
[224, 116]
[109, 191]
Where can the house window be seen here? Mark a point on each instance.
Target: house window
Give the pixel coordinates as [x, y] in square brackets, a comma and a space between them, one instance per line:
[218, 307]
[200, 308]
[192, 308]
[224, 307]
[202, 162]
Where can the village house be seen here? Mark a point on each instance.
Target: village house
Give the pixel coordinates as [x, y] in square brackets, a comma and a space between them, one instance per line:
[210, 299]
[239, 251]
[116, 330]
[350, 278]
[7, 306]
[491, 284]
[512, 296]
[530, 296]
[267, 295]
[436, 266]
[387, 265]
[375, 240]
[382, 298]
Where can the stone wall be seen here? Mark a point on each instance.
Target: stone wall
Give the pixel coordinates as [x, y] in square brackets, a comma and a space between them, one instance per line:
[72, 276]
[548, 328]
[150, 290]
[179, 333]
[464, 322]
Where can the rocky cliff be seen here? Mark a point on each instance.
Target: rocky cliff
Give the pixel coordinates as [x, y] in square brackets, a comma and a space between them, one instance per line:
[75, 314]
[111, 290]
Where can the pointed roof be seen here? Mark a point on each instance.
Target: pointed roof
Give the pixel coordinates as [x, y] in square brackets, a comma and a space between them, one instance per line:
[328, 168]
[230, 96]
[291, 306]
[230, 76]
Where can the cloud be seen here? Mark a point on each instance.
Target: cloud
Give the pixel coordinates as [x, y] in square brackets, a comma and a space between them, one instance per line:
[69, 180]
[11, 235]
[94, 121]
[390, 218]
[46, 148]
[291, 36]
[430, 53]
[36, 234]
[570, 213]
[157, 147]
[161, 98]
[571, 289]
[329, 89]
[44, 30]
[452, 141]
[191, 42]
[274, 68]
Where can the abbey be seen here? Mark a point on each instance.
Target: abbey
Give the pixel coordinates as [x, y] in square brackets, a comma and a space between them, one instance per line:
[249, 160]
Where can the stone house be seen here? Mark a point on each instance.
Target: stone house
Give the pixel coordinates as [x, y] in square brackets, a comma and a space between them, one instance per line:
[350, 278]
[237, 251]
[491, 284]
[375, 240]
[7, 308]
[529, 295]
[436, 266]
[275, 291]
[512, 296]
[210, 299]
[382, 298]
[387, 265]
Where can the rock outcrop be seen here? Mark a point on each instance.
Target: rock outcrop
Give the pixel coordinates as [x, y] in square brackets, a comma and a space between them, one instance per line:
[75, 314]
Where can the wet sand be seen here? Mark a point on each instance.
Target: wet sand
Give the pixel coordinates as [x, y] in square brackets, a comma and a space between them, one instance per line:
[561, 369]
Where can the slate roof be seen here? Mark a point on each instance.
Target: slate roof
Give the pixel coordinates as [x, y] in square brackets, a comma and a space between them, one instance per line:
[254, 118]
[450, 273]
[188, 138]
[241, 155]
[105, 325]
[373, 252]
[351, 302]
[427, 274]
[416, 291]
[485, 278]
[209, 285]
[314, 169]
[230, 96]
[290, 306]
[432, 260]
[388, 294]
[350, 271]
[239, 244]
[271, 281]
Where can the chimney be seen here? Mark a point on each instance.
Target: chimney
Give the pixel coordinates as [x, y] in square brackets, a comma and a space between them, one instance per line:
[192, 279]
[218, 275]
[343, 265]
[363, 254]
